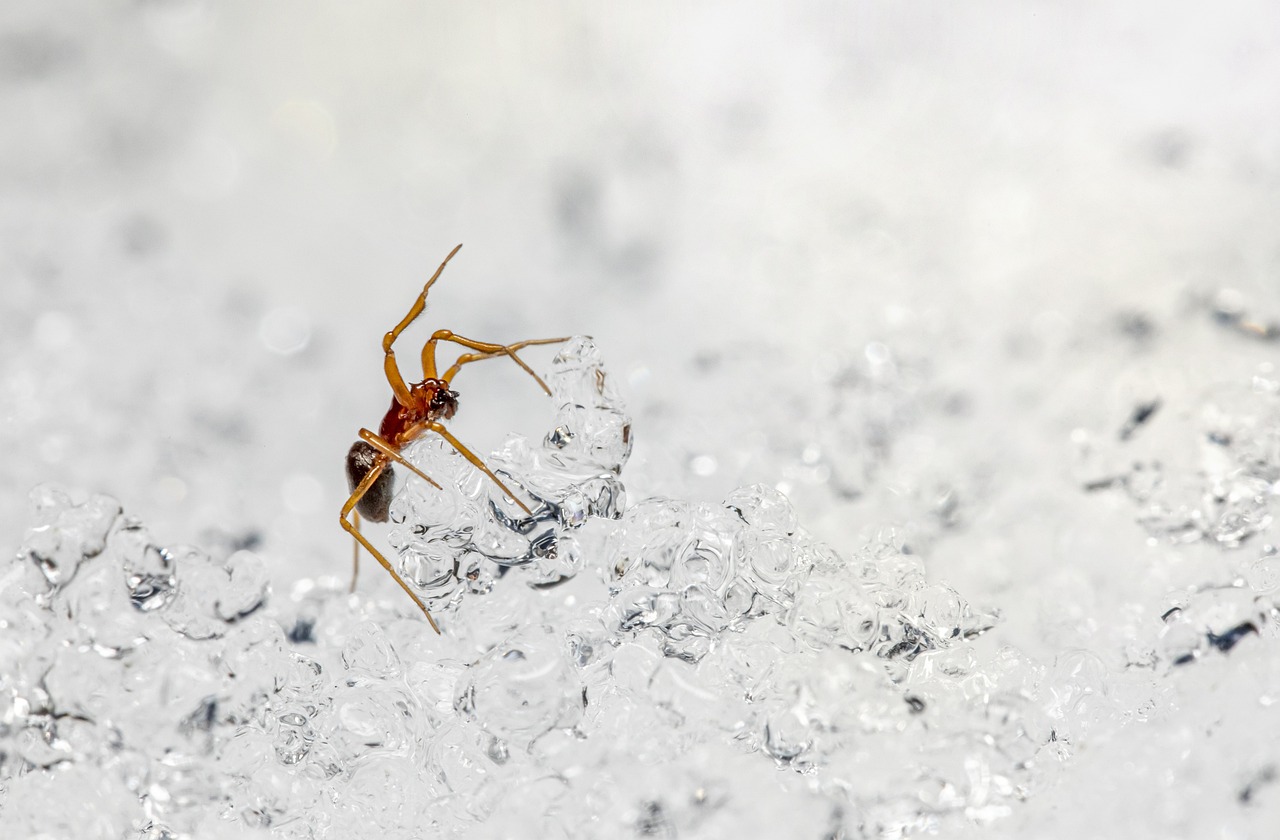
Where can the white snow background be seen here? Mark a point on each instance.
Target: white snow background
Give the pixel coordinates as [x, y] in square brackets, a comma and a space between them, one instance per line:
[919, 266]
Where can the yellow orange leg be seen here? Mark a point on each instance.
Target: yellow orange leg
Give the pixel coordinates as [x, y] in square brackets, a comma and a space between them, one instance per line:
[389, 365]
[349, 507]
[468, 358]
[470, 456]
[391, 452]
[429, 353]
[388, 453]
[355, 551]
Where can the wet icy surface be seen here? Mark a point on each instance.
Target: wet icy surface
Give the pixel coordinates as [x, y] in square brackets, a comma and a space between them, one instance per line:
[612, 666]
[606, 668]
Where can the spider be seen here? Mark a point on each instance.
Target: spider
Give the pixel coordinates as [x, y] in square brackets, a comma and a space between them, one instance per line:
[416, 408]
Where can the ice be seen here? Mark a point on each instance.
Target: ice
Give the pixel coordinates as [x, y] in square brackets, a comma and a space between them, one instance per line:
[63, 536]
[610, 666]
[695, 637]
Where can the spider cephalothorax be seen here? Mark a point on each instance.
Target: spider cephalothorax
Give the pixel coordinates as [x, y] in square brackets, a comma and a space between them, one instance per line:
[429, 401]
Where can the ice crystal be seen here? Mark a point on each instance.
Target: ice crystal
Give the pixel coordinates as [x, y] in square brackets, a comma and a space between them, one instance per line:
[654, 667]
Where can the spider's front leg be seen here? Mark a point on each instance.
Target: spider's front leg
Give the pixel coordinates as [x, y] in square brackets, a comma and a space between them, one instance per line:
[485, 349]
[475, 459]
[509, 349]
[389, 356]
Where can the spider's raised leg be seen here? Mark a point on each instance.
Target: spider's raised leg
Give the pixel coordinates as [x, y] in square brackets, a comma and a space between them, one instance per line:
[354, 530]
[468, 358]
[485, 348]
[389, 359]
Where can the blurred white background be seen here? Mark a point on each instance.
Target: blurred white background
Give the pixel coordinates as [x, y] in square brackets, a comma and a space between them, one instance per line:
[210, 213]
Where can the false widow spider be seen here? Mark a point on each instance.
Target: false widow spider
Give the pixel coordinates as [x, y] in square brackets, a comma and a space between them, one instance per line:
[416, 408]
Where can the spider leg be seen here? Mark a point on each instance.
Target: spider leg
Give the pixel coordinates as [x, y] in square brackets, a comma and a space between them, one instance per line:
[389, 358]
[354, 530]
[484, 347]
[472, 457]
[387, 452]
[355, 551]
[391, 452]
[468, 358]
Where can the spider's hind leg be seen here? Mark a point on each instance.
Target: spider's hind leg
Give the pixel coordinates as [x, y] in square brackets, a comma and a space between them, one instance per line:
[354, 530]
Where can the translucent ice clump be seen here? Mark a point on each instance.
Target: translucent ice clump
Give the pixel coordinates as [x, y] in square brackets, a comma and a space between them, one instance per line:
[123, 668]
[1227, 494]
[661, 668]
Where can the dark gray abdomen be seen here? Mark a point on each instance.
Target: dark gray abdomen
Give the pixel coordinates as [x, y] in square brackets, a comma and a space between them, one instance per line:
[375, 504]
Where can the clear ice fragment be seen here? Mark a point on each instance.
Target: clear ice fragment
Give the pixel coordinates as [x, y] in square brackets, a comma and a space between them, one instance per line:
[66, 534]
[523, 688]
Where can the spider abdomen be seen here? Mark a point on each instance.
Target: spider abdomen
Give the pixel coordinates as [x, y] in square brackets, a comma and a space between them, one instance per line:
[375, 504]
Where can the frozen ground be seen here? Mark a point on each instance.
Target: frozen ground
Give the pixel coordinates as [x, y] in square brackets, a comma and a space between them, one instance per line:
[989, 293]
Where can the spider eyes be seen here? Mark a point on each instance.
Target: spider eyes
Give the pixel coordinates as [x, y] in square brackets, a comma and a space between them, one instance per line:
[444, 403]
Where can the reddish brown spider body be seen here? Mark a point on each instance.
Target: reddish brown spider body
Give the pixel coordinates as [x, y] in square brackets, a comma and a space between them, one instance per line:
[415, 409]
[432, 401]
